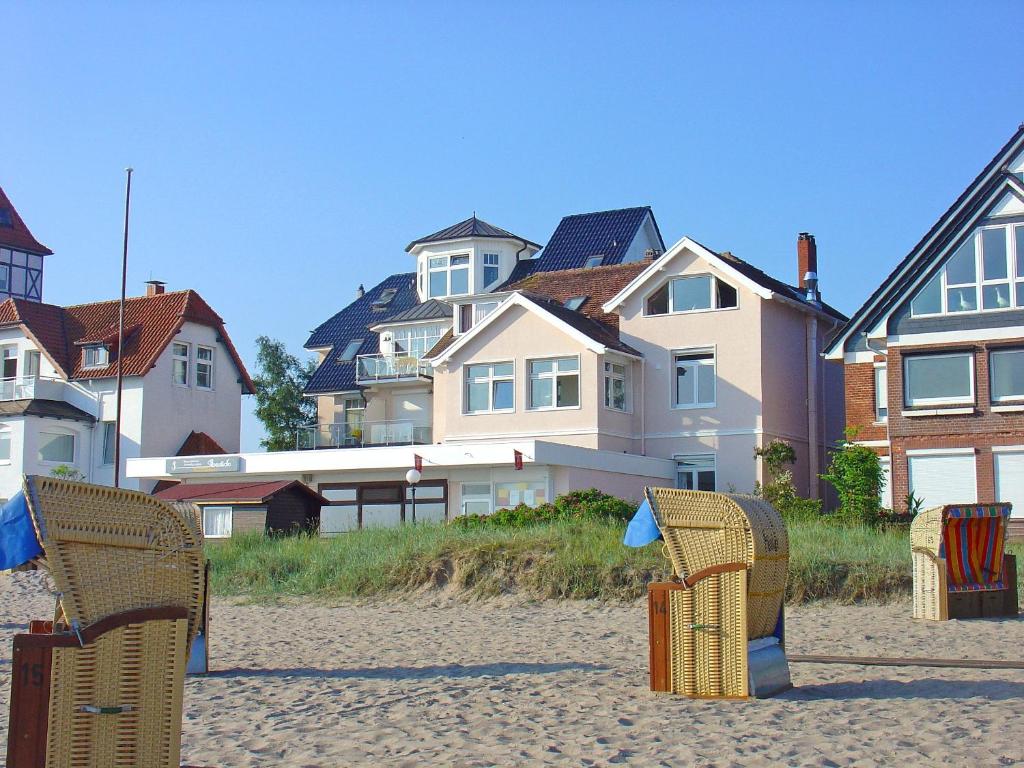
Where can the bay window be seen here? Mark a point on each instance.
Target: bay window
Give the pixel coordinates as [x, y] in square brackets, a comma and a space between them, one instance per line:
[490, 387]
[491, 261]
[555, 383]
[694, 379]
[939, 379]
[1006, 374]
[449, 275]
[691, 294]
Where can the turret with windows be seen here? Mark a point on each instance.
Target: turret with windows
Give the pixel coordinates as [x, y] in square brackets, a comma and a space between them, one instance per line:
[466, 258]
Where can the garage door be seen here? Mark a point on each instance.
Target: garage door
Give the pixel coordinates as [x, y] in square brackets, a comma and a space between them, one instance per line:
[1010, 480]
[943, 478]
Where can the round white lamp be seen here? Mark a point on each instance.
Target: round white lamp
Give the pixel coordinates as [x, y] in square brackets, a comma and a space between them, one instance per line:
[412, 477]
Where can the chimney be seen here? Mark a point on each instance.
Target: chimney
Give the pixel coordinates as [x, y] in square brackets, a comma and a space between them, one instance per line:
[806, 258]
[154, 287]
[360, 291]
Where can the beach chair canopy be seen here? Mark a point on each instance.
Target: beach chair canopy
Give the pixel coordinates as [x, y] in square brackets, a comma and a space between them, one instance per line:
[969, 537]
[705, 531]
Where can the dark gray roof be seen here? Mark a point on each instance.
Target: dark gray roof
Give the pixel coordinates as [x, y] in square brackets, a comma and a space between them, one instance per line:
[579, 237]
[431, 309]
[50, 409]
[354, 322]
[471, 227]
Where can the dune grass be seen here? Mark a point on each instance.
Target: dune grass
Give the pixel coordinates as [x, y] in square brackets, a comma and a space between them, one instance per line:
[575, 560]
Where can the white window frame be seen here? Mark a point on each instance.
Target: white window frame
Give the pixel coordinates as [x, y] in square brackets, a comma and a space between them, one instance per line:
[490, 380]
[696, 458]
[446, 267]
[231, 520]
[991, 355]
[6, 435]
[201, 363]
[625, 377]
[674, 393]
[484, 264]
[960, 400]
[1012, 277]
[477, 498]
[177, 357]
[671, 296]
[95, 356]
[58, 433]
[554, 375]
[881, 384]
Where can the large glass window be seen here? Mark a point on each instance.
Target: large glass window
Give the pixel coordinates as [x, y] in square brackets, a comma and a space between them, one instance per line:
[532, 493]
[1006, 374]
[985, 273]
[696, 473]
[695, 379]
[180, 363]
[449, 275]
[217, 522]
[555, 383]
[490, 387]
[57, 447]
[691, 294]
[939, 379]
[5, 444]
[616, 386]
[417, 340]
[881, 393]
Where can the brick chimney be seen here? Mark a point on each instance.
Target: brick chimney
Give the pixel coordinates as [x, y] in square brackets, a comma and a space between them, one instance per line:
[806, 258]
[154, 287]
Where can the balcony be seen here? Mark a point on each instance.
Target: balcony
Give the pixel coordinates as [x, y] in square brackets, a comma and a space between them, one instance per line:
[369, 434]
[376, 369]
[31, 388]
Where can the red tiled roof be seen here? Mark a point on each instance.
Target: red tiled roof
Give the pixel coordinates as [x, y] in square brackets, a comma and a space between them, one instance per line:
[17, 235]
[151, 322]
[598, 283]
[233, 491]
[199, 444]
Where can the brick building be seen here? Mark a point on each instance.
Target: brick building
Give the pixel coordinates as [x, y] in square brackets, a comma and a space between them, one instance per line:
[935, 358]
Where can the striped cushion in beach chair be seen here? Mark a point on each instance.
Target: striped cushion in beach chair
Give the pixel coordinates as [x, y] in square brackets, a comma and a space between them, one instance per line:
[972, 545]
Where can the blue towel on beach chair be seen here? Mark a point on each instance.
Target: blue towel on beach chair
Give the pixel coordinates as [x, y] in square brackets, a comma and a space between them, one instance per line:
[18, 542]
[642, 529]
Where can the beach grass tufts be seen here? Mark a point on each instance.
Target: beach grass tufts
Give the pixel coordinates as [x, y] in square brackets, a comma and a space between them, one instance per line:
[555, 560]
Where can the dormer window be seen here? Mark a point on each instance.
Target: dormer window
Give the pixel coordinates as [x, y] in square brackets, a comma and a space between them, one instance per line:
[449, 275]
[575, 302]
[691, 294]
[95, 356]
[594, 261]
[385, 298]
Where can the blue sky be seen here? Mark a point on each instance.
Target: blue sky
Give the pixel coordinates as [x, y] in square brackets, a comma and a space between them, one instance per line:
[285, 153]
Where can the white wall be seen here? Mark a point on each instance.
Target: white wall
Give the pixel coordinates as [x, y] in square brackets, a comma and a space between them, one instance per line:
[475, 247]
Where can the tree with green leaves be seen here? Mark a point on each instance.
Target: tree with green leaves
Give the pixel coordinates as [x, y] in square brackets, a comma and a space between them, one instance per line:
[280, 404]
[856, 474]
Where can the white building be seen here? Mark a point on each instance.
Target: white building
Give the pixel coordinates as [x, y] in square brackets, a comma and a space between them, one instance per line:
[183, 382]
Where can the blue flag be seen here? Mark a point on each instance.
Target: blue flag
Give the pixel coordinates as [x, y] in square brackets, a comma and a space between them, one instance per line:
[18, 542]
[642, 529]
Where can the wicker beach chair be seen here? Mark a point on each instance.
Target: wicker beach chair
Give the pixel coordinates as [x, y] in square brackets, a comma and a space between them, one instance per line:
[960, 568]
[102, 684]
[723, 616]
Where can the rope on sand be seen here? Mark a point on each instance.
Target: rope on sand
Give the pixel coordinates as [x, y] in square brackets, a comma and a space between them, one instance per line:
[882, 661]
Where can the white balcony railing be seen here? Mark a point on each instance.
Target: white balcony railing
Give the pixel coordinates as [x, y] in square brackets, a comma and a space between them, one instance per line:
[31, 387]
[374, 368]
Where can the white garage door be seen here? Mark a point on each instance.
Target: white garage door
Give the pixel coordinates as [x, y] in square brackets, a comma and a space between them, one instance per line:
[943, 479]
[1010, 480]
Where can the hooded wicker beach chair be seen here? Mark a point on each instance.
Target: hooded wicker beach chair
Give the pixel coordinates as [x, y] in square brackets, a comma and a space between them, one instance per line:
[722, 617]
[102, 684]
[960, 568]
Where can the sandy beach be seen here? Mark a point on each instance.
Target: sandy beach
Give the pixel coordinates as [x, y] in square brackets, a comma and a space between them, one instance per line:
[435, 681]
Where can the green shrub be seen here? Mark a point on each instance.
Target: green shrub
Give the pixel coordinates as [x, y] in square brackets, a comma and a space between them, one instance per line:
[780, 491]
[586, 505]
[856, 474]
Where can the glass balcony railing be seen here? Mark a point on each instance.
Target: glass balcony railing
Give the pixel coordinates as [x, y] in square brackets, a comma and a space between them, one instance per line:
[368, 434]
[30, 388]
[375, 368]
